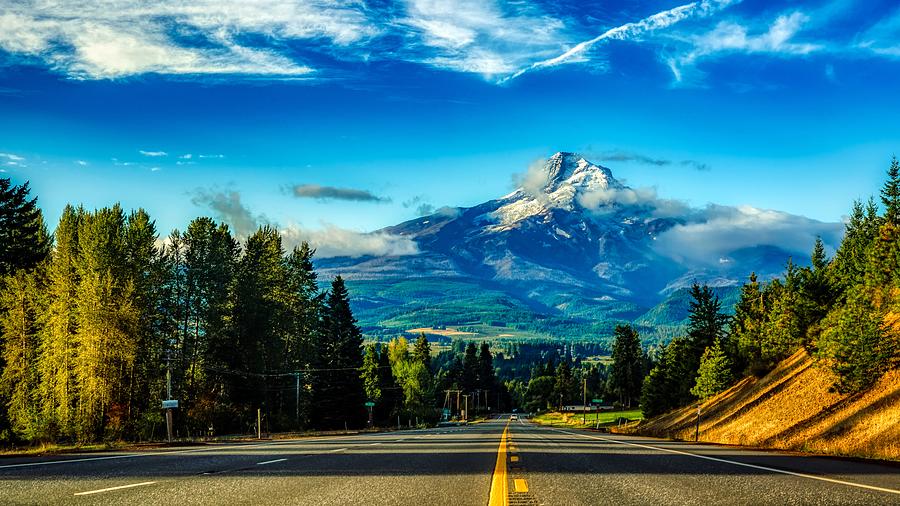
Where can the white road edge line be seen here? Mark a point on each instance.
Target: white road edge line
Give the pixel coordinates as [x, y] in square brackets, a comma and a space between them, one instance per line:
[336, 450]
[164, 453]
[110, 489]
[736, 463]
[270, 462]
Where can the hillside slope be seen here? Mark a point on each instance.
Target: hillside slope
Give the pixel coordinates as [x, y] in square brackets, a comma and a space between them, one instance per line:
[792, 408]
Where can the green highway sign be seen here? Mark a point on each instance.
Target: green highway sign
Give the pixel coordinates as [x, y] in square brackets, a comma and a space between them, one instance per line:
[596, 401]
[370, 404]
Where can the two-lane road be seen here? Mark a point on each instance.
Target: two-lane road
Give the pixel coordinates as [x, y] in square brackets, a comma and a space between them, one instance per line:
[457, 466]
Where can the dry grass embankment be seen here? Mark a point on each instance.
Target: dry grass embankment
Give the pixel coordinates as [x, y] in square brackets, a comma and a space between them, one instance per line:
[792, 408]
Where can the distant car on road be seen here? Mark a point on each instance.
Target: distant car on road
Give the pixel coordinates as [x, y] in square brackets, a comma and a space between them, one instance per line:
[514, 417]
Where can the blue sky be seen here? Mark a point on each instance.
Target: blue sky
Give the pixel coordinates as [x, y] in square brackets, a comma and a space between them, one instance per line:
[223, 108]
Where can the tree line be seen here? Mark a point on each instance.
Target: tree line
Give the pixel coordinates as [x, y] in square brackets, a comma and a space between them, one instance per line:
[842, 310]
[101, 317]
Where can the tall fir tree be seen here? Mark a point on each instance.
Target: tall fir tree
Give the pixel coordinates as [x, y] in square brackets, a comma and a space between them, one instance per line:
[626, 373]
[58, 338]
[714, 374]
[24, 241]
[340, 396]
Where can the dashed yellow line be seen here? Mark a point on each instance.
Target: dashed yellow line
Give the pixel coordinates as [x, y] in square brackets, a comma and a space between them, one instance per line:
[514, 459]
[499, 489]
[521, 485]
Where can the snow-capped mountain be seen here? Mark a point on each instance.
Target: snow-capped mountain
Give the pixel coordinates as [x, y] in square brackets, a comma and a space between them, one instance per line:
[572, 241]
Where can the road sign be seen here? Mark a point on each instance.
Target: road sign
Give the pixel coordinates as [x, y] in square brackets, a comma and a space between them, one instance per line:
[597, 401]
[170, 404]
[370, 404]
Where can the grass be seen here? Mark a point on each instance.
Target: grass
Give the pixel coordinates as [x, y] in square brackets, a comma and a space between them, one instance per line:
[794, 408]
[605, 418]
[55, 448]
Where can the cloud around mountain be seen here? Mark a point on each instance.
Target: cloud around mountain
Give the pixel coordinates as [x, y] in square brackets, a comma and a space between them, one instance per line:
[700, 236]
[328, 240]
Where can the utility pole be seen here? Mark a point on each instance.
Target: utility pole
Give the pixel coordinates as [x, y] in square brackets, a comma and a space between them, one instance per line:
[259, 423]
[584, 401]
[169, 396]
[297, 399]
[467, 407]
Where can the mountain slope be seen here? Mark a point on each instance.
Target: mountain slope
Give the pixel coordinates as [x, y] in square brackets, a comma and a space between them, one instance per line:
[568, 253]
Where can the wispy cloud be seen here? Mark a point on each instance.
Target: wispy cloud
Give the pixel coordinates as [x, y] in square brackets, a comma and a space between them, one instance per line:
[329, 240]
[730, 37]
[326, 193]
[12, 157]
[422, 207]
[630, 156]
[81, 163]
[660, 20]
[154, 154]
[115, 38]
[227, 207]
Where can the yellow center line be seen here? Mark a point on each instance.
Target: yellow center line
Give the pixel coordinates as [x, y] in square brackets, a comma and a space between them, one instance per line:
[514, 459]
[521, 485]
[499, 488]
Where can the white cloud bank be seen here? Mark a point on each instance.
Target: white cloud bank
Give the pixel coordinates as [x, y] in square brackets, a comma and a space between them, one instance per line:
[329, 240]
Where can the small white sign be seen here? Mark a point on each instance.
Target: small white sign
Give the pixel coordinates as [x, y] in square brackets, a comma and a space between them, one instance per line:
[170, 404]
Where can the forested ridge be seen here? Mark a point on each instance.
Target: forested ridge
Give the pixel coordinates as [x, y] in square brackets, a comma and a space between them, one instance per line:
[99, 318]
[845, 311]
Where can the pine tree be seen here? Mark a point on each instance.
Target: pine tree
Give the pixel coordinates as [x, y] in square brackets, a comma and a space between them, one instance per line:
[626, 374]
[857, 344]
[389, 407]
[469, 379]
[340, 396]
[422, 351]
[369, 374]
[707, 322]
[20, 307]
[58, 338]
[24, 240]
[106, 321]
[890, 194]
[714, 374]
[486, 377]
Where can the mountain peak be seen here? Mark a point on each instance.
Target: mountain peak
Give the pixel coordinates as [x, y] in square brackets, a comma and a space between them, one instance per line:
[571, 169]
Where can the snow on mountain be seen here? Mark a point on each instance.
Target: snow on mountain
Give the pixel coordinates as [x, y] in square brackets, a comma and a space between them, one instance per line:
[571, 236]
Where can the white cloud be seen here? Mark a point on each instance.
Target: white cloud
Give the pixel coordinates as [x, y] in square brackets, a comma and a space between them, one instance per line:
[480, 36]
[730, 38]
[211, 156]
[12, 157]
[329, 241]
[81, 162]
[154, 154]
[186, 156]
[658, 21]
[115, 38]
[712, 233]
[333, 241]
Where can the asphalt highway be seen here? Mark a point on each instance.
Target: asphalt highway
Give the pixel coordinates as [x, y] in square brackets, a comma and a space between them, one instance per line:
[496, 462]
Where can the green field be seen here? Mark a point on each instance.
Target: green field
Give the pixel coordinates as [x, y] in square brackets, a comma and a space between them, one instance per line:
[606, 418]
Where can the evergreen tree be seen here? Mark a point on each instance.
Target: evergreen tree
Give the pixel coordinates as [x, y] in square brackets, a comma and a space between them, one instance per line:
[890, 194]
[707, 322]
[486, 376]
[24, 241]
[469, 379]
[20, 307]
[564, 386]
[856, 344]
[389, 407]
[627, 371]
[58, 338]
[714, 374]
[422, 351]
[340, 394]
[369, 374]
[107, 319]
